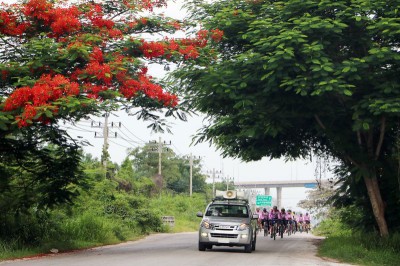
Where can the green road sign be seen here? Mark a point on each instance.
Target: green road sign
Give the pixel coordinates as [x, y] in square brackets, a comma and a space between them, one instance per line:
[263, 200]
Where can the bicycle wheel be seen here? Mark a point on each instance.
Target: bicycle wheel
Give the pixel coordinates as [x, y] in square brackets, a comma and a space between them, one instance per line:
[265, 228]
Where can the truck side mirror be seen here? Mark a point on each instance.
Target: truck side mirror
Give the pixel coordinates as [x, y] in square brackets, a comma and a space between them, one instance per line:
[199, 214]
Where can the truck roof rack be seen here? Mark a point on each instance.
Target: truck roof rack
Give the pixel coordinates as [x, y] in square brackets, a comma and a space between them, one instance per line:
[230, 195]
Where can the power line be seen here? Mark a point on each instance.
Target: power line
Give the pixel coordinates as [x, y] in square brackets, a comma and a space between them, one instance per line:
[120, 144]
[128, 137]
[133, 134]
[180, 153]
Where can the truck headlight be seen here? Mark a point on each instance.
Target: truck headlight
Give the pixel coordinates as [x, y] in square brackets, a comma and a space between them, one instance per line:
[243, 227]
[206, 225]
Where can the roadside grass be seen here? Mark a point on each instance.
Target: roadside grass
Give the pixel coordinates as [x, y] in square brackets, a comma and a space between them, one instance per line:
[361, 249]
[89, 227]
[356, 247]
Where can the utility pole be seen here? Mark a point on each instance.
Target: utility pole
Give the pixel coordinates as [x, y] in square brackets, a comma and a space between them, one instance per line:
[105, 145]
[191, 174]
[191, 163]
[160, 149]
[213, 172]
[106, 136]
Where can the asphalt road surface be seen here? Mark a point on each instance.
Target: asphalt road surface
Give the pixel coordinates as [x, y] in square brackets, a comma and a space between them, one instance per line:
[181, 250]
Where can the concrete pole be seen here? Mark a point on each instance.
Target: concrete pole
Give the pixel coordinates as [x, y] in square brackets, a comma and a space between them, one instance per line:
[279, 197]
[267, 191]
[213, 178]
[160, 146]
[191, 174]
[105, 145]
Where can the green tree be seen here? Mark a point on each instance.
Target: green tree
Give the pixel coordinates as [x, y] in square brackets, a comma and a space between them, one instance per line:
[174, 169]
[296, 77]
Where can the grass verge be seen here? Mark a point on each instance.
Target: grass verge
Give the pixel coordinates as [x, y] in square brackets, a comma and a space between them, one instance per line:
[361, 249]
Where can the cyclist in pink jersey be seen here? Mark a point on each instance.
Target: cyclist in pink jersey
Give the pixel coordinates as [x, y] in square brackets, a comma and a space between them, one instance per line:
[284, 219]
[307, 220]
[300, 221]
[261, 217]
[289, 218]
[274, 217]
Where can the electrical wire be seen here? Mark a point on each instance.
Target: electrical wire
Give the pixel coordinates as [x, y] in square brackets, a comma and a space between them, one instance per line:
[133, 134]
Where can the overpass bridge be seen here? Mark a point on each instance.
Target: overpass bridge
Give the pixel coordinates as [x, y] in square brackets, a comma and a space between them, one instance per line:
[278, 184]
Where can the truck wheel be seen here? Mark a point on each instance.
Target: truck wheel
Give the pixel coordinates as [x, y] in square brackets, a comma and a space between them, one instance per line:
[202, 246]
[247, 248]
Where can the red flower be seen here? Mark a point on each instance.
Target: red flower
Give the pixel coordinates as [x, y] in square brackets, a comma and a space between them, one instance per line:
[217, 35]
[38, 9]
[97, 55]
[10, 26]
[190, 52]
[152, 49]
[100, 71]
[65, 20]
[202, 34]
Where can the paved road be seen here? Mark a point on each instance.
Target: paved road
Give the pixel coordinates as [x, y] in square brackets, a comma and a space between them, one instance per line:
[181, 249]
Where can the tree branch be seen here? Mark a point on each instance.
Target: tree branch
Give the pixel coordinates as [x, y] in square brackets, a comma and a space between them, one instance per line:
[359, 138]
[319, 122]
[381, 137]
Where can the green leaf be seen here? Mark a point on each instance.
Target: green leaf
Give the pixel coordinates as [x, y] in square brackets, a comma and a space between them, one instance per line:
[346, 69]
[347, 92]
[3, 126]
[365, 126]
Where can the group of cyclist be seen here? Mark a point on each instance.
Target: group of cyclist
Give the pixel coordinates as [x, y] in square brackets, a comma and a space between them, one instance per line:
[283, 221]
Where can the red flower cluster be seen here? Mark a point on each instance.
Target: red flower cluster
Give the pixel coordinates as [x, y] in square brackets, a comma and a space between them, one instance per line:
[131, 87]
[152, 49]
[40, 97]
[175, 24]
[217, 35]
[102, 72]
[83, 33]
[189, 52]
[187, 47]
[10, 26]
[46, 90]
[60, 20]
[96, 17]
[93, 91]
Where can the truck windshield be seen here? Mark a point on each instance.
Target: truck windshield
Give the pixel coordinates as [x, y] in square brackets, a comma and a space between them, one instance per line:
[227, 210]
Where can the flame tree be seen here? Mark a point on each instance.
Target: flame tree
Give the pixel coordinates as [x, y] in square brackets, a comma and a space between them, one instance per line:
[64, 60]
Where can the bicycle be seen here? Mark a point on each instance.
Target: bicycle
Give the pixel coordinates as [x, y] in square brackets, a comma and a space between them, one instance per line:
[274, 229]
[282, 228]
[307, 227]
[290, 228]
[301, 227]
[266, 227]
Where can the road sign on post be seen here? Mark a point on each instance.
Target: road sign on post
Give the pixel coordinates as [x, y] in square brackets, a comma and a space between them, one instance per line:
[264, 200]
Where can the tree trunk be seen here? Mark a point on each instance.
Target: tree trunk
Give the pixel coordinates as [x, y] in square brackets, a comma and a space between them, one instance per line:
[378, 207]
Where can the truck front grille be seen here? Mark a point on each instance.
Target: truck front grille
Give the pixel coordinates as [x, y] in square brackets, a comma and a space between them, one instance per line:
[224, 235]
